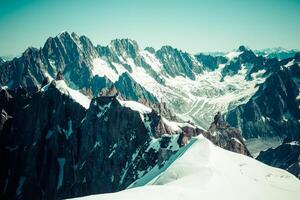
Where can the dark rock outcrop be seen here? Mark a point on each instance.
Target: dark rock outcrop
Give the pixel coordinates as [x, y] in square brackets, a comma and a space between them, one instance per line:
[225, 136]
[210, 62]
[53, 148]
[131, 90]
[220, 133]
[286, 156]
[178, 63]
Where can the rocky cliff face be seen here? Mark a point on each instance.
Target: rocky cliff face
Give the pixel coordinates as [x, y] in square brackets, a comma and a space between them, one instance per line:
[131, 90]
[286, 156]
[225, 136]
[53, 148]
[274, 109]
[178, 63]
[65, 53]
[77, 59]
[211, 62]
[34, 140]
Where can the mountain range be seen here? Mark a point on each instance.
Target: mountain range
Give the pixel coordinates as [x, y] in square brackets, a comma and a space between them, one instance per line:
[79, 119]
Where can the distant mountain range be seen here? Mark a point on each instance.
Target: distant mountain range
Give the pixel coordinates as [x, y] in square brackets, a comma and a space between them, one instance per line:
[80, 119]
[276, 52]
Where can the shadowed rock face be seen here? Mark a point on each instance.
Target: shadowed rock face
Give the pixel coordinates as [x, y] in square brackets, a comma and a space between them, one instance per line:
[57, 149]
[226, 137]
[38, 133]
[131, 90]
[286, 156]
[220, 133]
[176, 62]
[61, 53]
[211, 62]
[52, 148]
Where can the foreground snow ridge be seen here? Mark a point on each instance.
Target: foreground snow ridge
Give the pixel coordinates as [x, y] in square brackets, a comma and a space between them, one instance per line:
[206, 171]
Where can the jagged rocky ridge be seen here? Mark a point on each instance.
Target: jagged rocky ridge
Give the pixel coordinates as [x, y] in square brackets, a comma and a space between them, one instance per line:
[274, 109]
[192, 87]
[186, 83]
[67, 53]
[53, 148]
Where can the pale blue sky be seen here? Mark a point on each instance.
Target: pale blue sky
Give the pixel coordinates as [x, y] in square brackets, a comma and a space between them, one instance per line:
[191, 25]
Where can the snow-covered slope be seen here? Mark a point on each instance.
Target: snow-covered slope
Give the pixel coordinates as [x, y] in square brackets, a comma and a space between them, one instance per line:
[206, 171]
[74, 94]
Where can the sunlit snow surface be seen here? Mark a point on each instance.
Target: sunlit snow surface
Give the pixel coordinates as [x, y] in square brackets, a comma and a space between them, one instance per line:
[74, 94]
[133, 105]
[233, 54]
[206, 171]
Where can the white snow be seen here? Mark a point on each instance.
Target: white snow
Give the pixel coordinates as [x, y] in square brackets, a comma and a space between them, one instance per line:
[8, 86]
[233, 54]
[61, 163]
[172, 125]
[74, 94]
[102, 68]
[205, 171]
[177, 126]
[235, 139]
[294, 143]
[136, 106]
[151, 60]
[290, 63]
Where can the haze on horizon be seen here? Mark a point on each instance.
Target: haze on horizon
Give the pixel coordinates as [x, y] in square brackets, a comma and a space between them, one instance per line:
[191, 25]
